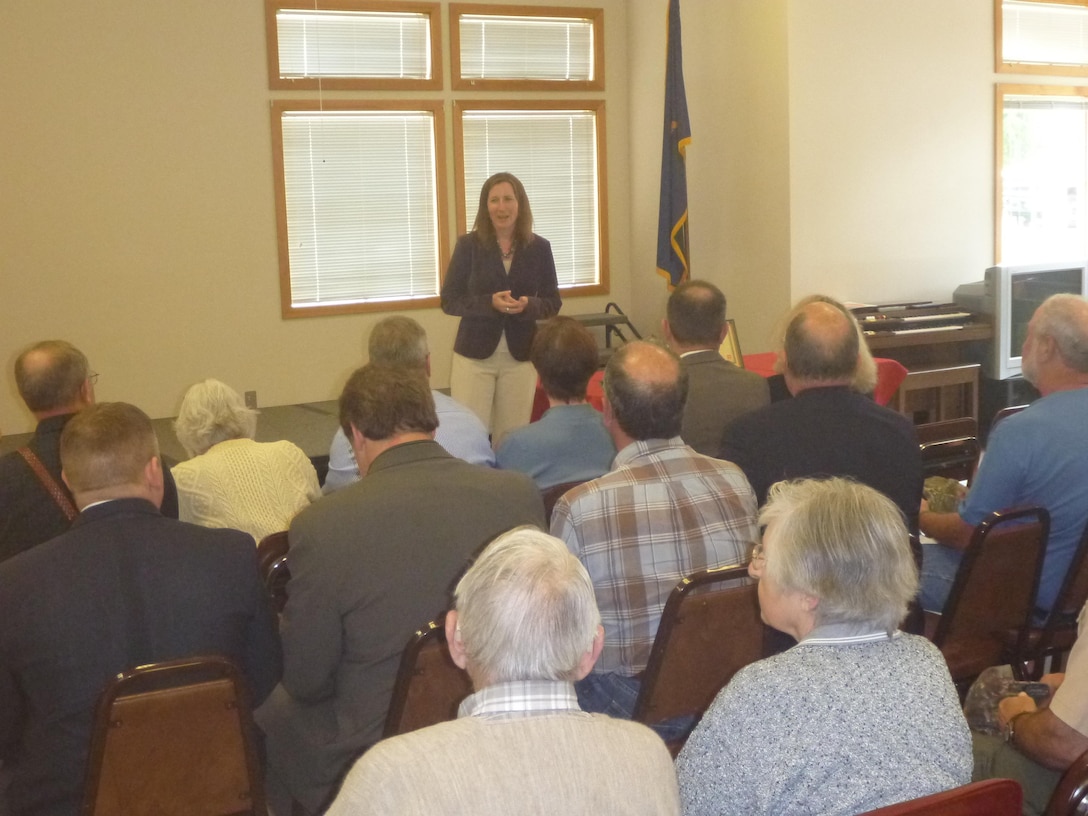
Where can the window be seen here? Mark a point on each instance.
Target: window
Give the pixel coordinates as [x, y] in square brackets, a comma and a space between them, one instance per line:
[361, 178]
[554, 148]
[1041, 36]
[526, 48]
[358, 198]
[355, 45]
[1042, 173]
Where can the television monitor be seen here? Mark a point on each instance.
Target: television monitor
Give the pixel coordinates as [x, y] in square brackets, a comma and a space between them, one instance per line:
[1010, 295]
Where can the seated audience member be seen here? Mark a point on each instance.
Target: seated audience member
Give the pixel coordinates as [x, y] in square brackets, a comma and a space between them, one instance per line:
[525, 626]
[828, 428]
[1034, 457]
[55, 381]
[231, 480]
[857, 715]
[1040, 741]
[122, 588]
[718, 390]
[370, 564]
[400, 342]
[569, 443]
[662, 513]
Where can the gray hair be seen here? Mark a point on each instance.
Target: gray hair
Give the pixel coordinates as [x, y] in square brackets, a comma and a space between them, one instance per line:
[212, 412]
[1064, 318]
[398, 342]
[844, 543]
[526, 609]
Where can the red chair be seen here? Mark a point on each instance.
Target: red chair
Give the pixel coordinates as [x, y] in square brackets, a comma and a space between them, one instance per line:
[993, 797]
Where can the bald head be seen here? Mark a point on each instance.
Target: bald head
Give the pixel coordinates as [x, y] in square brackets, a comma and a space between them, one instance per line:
[821, 345]
[52, 378]
[646, 388]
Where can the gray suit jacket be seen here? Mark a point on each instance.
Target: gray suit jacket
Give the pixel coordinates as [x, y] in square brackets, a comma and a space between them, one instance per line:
[718, 393]
[370, 564]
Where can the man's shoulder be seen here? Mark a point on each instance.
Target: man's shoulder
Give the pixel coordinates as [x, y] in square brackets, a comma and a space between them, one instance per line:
[660, 466]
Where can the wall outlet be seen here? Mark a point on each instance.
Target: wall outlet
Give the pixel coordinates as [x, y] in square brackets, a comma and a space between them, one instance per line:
[251, 399]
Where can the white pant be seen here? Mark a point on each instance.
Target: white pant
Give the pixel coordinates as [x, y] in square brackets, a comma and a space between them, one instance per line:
[499, 390]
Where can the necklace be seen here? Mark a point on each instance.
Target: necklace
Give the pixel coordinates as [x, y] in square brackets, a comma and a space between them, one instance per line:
[506, 256]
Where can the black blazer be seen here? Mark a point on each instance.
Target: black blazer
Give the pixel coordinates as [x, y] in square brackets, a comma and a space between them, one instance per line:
[28, 514]
[123, 587]
[831, 431]
[476, 272]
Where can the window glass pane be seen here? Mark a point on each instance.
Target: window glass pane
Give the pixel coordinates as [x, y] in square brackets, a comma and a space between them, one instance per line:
[554, 153]
[1043, 178]
[362, 220]
[385, 45]
[543, 48]
[1044, 33]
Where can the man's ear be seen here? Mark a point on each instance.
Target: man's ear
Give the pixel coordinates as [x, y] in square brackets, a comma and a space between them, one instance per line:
[153, 473]
[589, 658]
[453, 640]
[723, 334]
[86, 392]
[666, 332]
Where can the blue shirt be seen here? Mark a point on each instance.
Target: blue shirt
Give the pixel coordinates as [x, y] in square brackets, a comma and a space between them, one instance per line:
[568, 444]
[1039, 456]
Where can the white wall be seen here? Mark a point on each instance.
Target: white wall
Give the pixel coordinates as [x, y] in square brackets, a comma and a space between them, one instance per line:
[891, 147]
[841, 146]
[137, 216]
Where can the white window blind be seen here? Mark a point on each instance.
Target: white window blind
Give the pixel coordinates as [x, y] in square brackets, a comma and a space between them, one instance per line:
[1044, 33]
[361, 44]
[1044, 178]
[554, 154]
[527, 48]
[361, 200]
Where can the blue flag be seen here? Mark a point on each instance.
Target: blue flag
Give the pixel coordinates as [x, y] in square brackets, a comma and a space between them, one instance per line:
[672, 213]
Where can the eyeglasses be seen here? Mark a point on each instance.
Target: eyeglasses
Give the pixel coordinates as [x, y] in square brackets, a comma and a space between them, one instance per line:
[757, 558]
[92, 378]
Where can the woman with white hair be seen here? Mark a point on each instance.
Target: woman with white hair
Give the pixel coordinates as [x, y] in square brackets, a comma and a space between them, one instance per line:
[857, 715]
[231, 480]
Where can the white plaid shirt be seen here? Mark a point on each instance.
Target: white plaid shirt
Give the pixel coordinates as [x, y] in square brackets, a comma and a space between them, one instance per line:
[663, 513]
[523, 698]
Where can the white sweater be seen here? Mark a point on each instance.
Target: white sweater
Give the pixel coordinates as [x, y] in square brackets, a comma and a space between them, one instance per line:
[256, 487]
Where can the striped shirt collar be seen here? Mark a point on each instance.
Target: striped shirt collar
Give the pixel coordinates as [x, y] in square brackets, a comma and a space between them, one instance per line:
[835, 634]
[521, 698]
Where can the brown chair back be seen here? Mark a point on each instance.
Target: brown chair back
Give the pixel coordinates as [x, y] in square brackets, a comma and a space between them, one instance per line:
[946, 429]
[174, 738]
[429, 685]
[994, 591]
[993, 797]
[709, 630]
[1005, 412]
[272, 560]
[1059, 631]
[952, 458]
[1070, 797]
[552, 494]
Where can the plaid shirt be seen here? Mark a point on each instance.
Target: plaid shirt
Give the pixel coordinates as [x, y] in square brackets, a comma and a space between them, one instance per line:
[522, 698]
[663, 513]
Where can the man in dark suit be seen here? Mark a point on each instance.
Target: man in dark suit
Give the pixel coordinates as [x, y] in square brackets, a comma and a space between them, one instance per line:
[828, 428]
[123, 587]
[718, 390]
[55, 382]
[370, 564]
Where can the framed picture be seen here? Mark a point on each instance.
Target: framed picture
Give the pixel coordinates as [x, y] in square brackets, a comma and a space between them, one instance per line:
[730, 347]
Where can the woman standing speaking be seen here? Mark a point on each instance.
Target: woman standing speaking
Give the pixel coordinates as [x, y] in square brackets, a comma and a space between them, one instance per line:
[500, 281]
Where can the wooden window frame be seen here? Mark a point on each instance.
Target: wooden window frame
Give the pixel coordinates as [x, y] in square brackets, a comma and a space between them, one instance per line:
[333, 83]
[459, 83]
[1055, 69]
[602, 286]
[1000, 91]
[437, 108]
